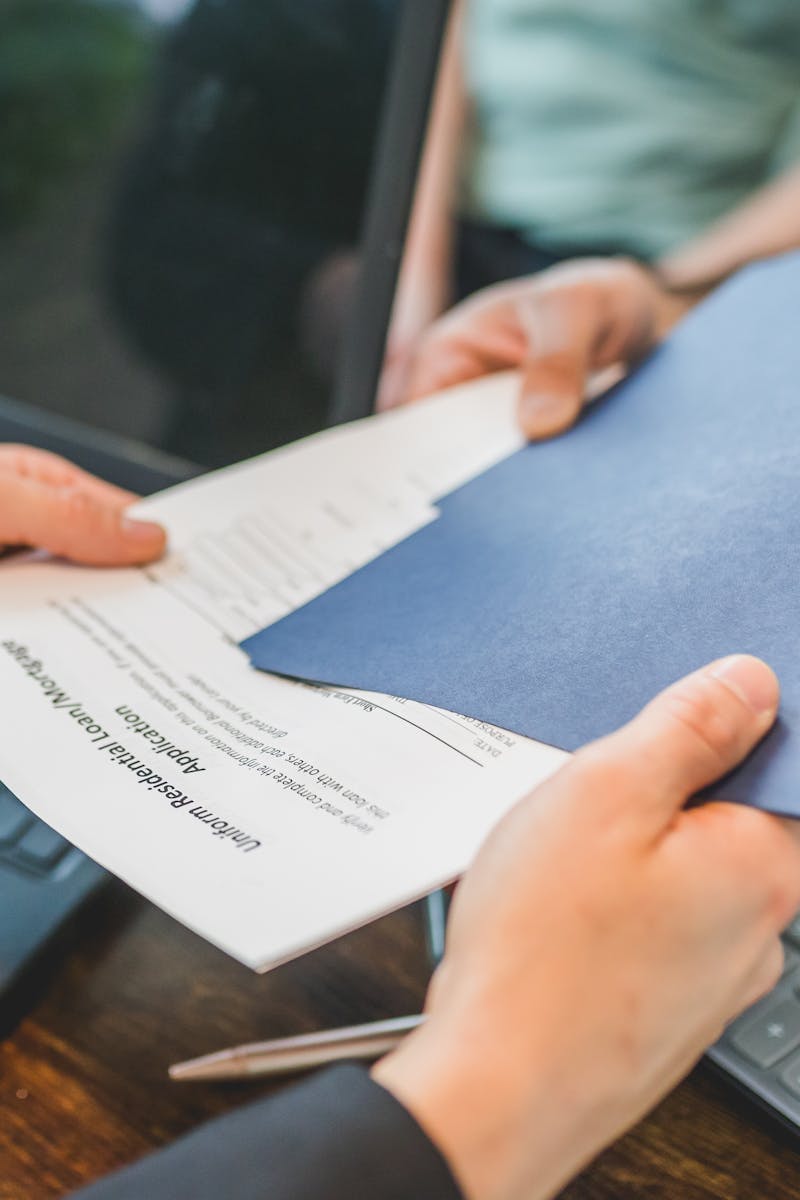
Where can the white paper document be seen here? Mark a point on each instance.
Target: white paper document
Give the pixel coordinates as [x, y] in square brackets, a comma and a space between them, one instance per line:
[266, 814]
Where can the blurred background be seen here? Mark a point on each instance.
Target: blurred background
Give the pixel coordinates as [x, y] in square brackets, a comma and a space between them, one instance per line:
[183, 185]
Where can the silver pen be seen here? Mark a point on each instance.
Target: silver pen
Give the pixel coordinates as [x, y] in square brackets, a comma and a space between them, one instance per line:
[282, 1056]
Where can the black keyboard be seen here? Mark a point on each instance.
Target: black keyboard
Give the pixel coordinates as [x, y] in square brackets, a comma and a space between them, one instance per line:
[44, 881]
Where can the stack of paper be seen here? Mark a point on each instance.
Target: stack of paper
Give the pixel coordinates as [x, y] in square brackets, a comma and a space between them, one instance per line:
[268, 815]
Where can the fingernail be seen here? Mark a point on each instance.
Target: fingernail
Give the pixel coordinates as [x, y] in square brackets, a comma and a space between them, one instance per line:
[752, 680]
[142, 531]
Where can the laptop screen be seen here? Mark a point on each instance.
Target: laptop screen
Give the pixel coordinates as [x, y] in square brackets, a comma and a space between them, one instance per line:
[185, 193]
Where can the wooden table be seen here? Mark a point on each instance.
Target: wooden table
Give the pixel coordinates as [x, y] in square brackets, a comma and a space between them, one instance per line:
[83, 1085]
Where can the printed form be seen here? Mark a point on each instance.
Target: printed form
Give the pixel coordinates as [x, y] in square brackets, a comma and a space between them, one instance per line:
[267, 814]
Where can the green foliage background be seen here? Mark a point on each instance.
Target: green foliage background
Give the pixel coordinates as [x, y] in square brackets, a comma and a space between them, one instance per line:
[67, 70]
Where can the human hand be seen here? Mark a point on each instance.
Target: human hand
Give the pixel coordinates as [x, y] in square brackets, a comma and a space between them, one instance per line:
[48, 502]
[600, 942]
[560, 327]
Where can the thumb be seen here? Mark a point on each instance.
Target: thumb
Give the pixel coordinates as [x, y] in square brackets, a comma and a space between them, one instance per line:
[563, 327]
[579, 318]
[552, 393]
[691, 734]
[72, 523]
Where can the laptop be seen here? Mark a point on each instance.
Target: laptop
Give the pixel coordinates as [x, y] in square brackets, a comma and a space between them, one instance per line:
[200, 253]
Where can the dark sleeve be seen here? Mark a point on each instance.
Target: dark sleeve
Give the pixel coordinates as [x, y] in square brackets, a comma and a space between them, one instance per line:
[339, 1134]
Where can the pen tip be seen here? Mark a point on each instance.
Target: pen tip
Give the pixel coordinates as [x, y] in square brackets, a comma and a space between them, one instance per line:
[221, 1065]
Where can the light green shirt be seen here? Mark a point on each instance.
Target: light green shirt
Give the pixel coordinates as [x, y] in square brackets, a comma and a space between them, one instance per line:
[627, 124]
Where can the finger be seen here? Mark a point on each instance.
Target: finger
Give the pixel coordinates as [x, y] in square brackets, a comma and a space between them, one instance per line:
[689, 736]
[28, 462]
[563, 328]
[578, 318]
[479, 336]
[440, 363]
[74, 524]
[447, 357]
[746, 853]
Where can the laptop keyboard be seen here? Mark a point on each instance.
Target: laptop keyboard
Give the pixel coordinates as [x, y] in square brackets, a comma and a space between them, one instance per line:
[25, 841]
[44, 882]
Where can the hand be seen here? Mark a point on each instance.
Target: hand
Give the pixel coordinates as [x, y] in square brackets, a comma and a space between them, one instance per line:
[560, 327]
[47, 502]
[600, 942]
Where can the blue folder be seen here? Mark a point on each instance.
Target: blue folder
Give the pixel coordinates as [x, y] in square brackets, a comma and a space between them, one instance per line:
[560, 590]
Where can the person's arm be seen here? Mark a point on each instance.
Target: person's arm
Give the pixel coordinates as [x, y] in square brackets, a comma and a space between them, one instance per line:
[600, 884]
[336, 1136]
[767, 223]
[423, 288]
[48, 503]
[574, 319]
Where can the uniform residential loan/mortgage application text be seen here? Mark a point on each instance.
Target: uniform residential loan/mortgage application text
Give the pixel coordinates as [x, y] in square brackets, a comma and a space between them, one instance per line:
[268, 815]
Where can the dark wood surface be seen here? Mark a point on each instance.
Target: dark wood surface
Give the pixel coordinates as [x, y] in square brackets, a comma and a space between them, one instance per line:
[83, 1085]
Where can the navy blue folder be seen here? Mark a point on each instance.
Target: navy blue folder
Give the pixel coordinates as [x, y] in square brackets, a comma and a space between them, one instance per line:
[562, 589]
